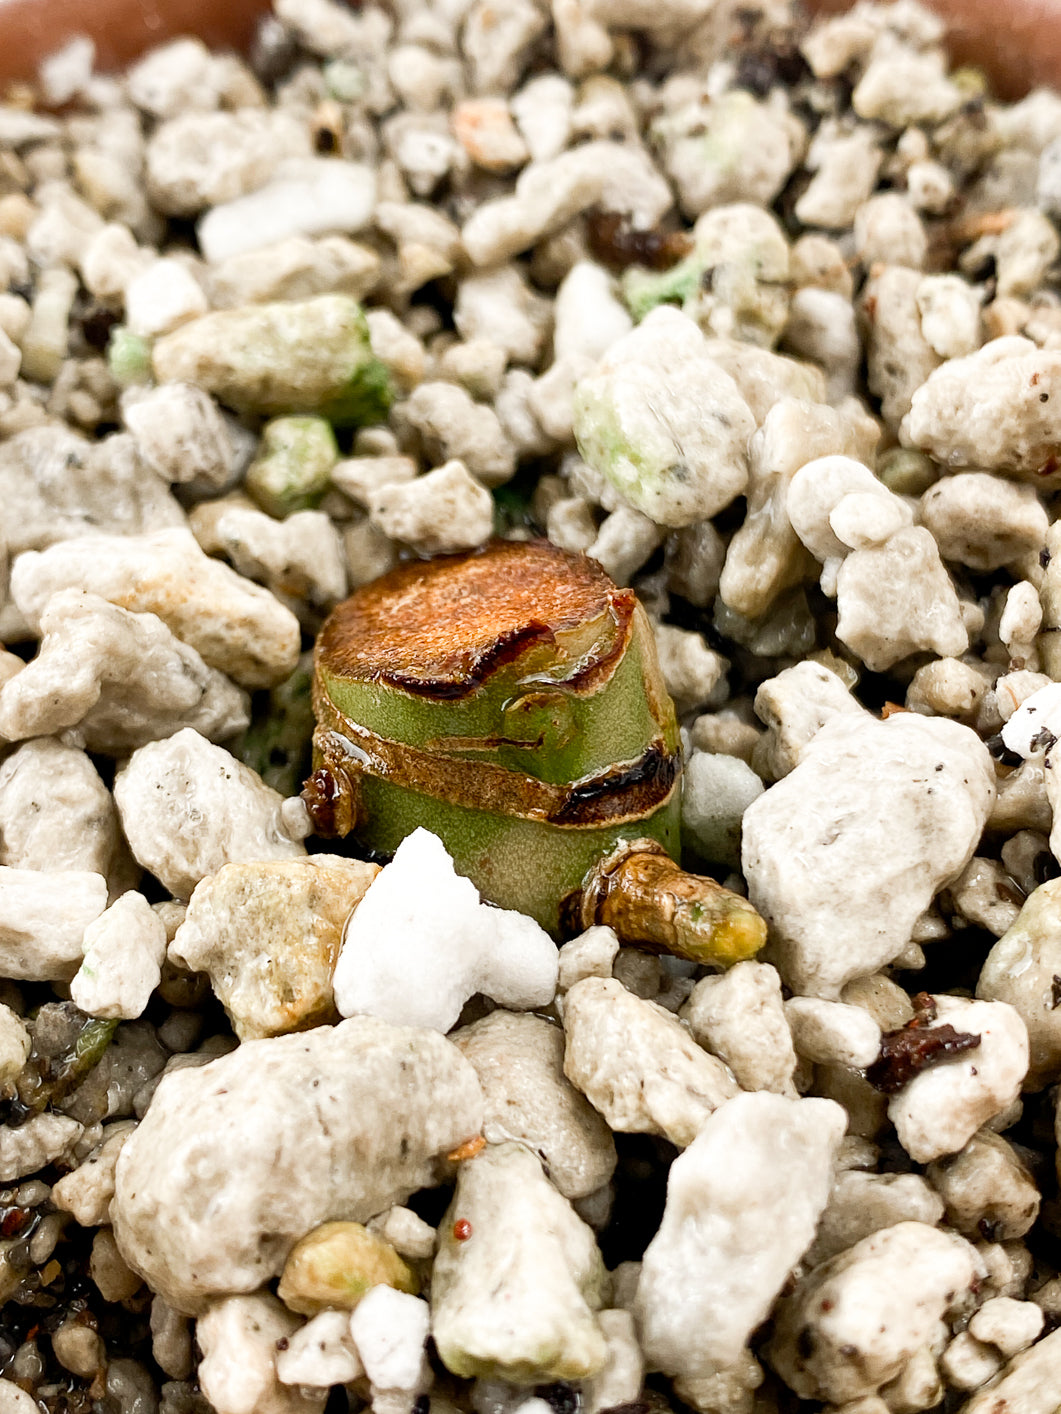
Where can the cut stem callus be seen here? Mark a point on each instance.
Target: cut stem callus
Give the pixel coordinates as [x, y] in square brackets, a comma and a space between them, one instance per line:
[511, 702]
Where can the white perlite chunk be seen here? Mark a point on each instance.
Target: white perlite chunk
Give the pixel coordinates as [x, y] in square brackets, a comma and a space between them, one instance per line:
[181, 435]
[515, 1299]
[238, 627]
[297, 558]
[455, 428]
[305, 197]
[66, 487]
[519, 1060]
[588, 317]
[1029, 1384]
[844, 855]
[389, 1330]
[439, 513]
[322, 1353]
[420, 944]
[982, 521]
[940, 1109]
[832, 1033]
[852, 1325]
[863, 1203]
[124, 951]
[238, 1159]
[196, 160]
[739, 1017]
[623, 1374]
[294, 269]
[43, 918]
[14, 1045]
[896, 599]
[998, 409]
[56, 814]
[41, 1140]
[188, 807]
[591, 954]
[794, 707]
[638, 1065]
[86, 1193]
[110, 680]
[267, 934]
[238, 1338]
[716, 792]
[1020, 969]
[619, 177]
[161, 297]
[742, 1204]
[987, 1187]
[664, 423]
[1009, 1325]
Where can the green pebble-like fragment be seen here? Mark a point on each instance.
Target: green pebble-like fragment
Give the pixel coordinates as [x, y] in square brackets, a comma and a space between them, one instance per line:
[293, 465]
[301, 356]
[128, 357]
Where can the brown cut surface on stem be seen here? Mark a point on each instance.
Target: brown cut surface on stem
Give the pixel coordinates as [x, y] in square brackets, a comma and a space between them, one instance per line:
[439, 628]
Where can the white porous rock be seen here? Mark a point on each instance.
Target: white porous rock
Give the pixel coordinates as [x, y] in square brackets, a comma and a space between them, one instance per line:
[14, 1045]
[739, 1016]
[182, 435]
[341, 1122]
[56, 814]
[238, 627]
[716, 791]
[1020, 620]
[439, 513]
[41, 1140]
[161, 297]
[819, 489]
[515, 1300]
[420, 944]
[297, 558]
[638, 1065]
[623, 542]
[940, 1109]
[296, 268]
[764, 378]
[813, 845]
[845, 166]
[66, 487]
[987, 1188]
[997, 409]
[43, 917]
[983, 521]
[321, 1353]
[196, 160]
[548, 194]
[854, 1322]
[455, 428]
[983, 895]
[188, 807]
[238, 1338]
[591, 954]
[766, 556]
[899, 357]
[542, 109]
[623, 1374]
[948, 687]
[742, 1204]
[409, 1235]
[832, 1033]
[519, 1060]
[950, 314]
[500, 305]
[902, 88]
[305, 196]
[124, 951]
[691, 670]
[268, 934]
[181, 76]
[793, 707]
[863, 1203]
[1035, 724]
[1009, 1325]
[389, 1330]
[1029, 1384]
[888, 231]
[588, 316]
[822, 327]
[968, 1363]
[1020, 969]
[896, 599]
[664, 424]
[110, 680]
[86, 1192]
[110, 260]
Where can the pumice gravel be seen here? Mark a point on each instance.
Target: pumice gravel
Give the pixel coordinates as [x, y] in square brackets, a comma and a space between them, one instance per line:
[763, 318]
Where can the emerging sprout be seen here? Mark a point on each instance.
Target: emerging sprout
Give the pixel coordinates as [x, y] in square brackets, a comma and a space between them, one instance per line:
[510, 701]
